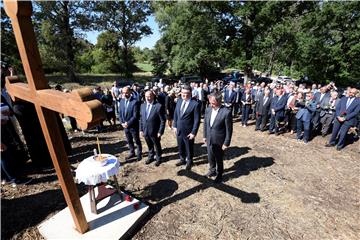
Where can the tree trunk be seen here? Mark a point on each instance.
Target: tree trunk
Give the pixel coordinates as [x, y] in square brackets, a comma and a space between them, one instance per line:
[69, 46]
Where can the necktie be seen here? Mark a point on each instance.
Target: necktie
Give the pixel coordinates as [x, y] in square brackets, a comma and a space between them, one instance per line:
[265, 99]
[148, 111]
[126, 105]
[182, 108]
[348, 102]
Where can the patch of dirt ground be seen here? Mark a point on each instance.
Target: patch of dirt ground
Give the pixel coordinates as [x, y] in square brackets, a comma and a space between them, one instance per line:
[274, 188]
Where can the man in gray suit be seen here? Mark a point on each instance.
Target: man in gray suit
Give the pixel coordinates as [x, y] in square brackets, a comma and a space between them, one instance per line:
[327, 114]
[262, 110]
[217, 134]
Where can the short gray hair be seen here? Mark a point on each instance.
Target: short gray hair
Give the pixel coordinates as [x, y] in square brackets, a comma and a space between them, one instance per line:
[217, 96]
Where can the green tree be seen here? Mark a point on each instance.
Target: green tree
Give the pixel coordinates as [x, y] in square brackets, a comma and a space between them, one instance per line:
[193, 35]
[61, 23]
[107, 54]
[127, 20]
[9, 52]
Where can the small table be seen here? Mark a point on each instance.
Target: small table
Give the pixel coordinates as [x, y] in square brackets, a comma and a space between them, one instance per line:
[93, 173]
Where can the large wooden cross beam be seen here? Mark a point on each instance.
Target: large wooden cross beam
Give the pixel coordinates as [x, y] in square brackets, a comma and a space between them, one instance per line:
[48, 103]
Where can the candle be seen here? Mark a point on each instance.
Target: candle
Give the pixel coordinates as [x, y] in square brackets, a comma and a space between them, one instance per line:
[98, 143]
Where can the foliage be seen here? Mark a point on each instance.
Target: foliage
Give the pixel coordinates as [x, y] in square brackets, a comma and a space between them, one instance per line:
[127, 21]
[295, 38]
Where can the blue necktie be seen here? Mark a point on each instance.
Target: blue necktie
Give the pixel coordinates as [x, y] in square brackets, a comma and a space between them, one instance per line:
[348, 102]
[148, 110]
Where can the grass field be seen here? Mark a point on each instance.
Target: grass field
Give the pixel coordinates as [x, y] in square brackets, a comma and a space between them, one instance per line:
[104, 80]
[145, 67]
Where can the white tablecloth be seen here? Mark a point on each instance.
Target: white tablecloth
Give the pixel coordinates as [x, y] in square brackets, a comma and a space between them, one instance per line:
[91, 172]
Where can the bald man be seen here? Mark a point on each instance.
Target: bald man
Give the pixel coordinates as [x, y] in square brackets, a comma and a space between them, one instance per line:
[345, 118]
[129, 120]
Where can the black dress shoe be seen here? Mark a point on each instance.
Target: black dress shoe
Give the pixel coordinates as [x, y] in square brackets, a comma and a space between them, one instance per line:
[180, 162]
[188, 166]
[131, 155]
[139, 157]
[218, 179]
[148, 161]
[157, 163]
[271, 133]
[329, 145]
[338, 148]
[210, 174]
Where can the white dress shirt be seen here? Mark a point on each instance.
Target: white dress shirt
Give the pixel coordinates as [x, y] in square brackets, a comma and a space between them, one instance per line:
[213, 116]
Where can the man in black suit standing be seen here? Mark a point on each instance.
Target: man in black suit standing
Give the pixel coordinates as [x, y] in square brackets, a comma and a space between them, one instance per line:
[186, 124]
[217, 134]
[152, 126]
[129, 120]
[262, 110]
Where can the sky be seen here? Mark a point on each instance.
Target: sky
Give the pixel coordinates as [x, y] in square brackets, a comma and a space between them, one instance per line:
[148, 41]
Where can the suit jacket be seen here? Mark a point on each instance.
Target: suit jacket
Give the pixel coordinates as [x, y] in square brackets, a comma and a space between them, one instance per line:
[317, 97]
[155, 122]
[161, 98]
[325, 106]
[305, 113]
[261, 108]
[279, 105]
[188, 122]
[229, 99]
[131, 115]
[221, 131]
[243, 98]
[136, 96]
[351, 112]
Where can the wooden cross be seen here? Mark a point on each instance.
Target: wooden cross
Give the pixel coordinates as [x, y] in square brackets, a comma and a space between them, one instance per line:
[48, 103]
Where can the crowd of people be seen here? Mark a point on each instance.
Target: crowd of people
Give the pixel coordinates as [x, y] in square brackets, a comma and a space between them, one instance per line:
[303, 111]
[144, 112]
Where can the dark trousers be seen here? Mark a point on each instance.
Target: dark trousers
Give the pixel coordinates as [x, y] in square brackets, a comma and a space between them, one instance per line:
[8, 164]
[261, 121]
[245, 113]
[236, 109]
[215, 158]
[300, 126]
[273, 126]
[154, 145]
[186, 148]
[326, 121]
[316, 120]
[253, 114]
[131, 135]
[203, 107]
[292, 122]
[341, 129]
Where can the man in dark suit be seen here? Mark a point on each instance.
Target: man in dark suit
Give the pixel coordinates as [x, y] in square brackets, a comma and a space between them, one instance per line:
[152, 126]
[186, 124]
[345, 117]
[217, 134]
[277, 109]
[230, 95]
[320, 97]
[129, 119]
[262, 110]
